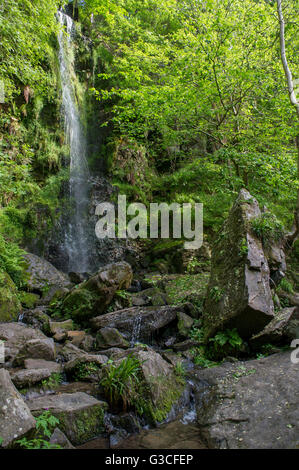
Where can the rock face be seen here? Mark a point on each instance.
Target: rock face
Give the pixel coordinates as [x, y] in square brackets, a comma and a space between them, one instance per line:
[43, 274]
[16, 336]
[41, 348]
[10, 306]
[164, 388]
[15, 417]
[38, 318]
[284, 326]
[250, 405]
[28, 377]
[78, 364]
[239, 294]
[140, 321]
[151, 296]
[60, 439]
[51, 366]
[95, 294]
[80, 415]
[110, 338]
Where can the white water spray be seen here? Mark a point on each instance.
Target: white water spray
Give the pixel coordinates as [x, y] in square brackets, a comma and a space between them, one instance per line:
[76, 238]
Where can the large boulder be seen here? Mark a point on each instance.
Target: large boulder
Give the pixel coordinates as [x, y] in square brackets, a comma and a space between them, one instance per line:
[110, 338]
[239, 294]
[151, 296]
[80, 416]
[86, 368]
[162, 384]
[43, 277]
[15, 337]
[37, 318]
[10, 306]
[51, 366]
[250, 405]
[40, 348]
[284, 327]
[28, 377]
[138, 323]
[91, 297]
[60, 439]
[15, 417]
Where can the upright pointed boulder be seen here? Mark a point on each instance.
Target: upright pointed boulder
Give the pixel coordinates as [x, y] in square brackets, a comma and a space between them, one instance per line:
[239, 294]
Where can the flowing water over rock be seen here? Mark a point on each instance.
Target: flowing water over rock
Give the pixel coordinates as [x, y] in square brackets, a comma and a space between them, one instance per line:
[174, 435]
[76, 237]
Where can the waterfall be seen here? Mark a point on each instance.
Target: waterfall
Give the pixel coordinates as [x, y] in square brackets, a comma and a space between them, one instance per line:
[76, 234]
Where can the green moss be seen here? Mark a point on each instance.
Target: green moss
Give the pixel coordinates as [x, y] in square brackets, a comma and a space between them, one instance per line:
[82, 425]
[79, 304]
[28, 300]
[185, 288]
[172, 390]
[267, 227]
[10, 306]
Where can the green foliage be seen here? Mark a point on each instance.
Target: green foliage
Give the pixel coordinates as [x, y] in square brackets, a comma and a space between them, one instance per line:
[25, 29]
[45, 425]
[84, 371]
[267, 227]
[121, 382]
[179, 369]
[53, 381]
[286, 285]
[196, 334]
[242, 371]
[216, 293]
[243, 251]
[224, 343]
[198, 88]
[11, 261]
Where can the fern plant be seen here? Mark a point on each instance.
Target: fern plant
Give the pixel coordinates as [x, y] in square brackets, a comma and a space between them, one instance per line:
[45, 424]
[120, 382]
[224, 343]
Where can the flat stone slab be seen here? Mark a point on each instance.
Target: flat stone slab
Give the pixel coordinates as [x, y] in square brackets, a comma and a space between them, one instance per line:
[138, 322]
[250, 405]
[27, 377]
[80, 415]
[53, 367]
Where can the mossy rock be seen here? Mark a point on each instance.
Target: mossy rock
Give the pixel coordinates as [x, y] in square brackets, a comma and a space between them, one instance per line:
[10, 306]
[81, 417]
[184, 324]
[79, 304]
[29, 300]
[162, 387]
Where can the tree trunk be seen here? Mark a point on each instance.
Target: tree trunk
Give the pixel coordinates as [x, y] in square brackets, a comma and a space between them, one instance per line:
[294, 234]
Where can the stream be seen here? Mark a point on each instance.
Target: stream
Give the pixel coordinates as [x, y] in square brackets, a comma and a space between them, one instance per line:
[173, 435]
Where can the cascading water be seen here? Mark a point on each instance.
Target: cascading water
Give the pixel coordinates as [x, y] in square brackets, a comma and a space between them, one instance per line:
[76, 236]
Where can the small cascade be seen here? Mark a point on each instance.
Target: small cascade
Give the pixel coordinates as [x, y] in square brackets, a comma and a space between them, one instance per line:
[136, 330]
[76, 236]
[21, 317]
[190, 415]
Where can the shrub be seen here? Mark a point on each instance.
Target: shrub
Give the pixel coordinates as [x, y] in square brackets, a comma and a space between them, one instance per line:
[45, 425]
[286, 286]
[121, 383]
[224, 343]
[11, 261]
[268, 228]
